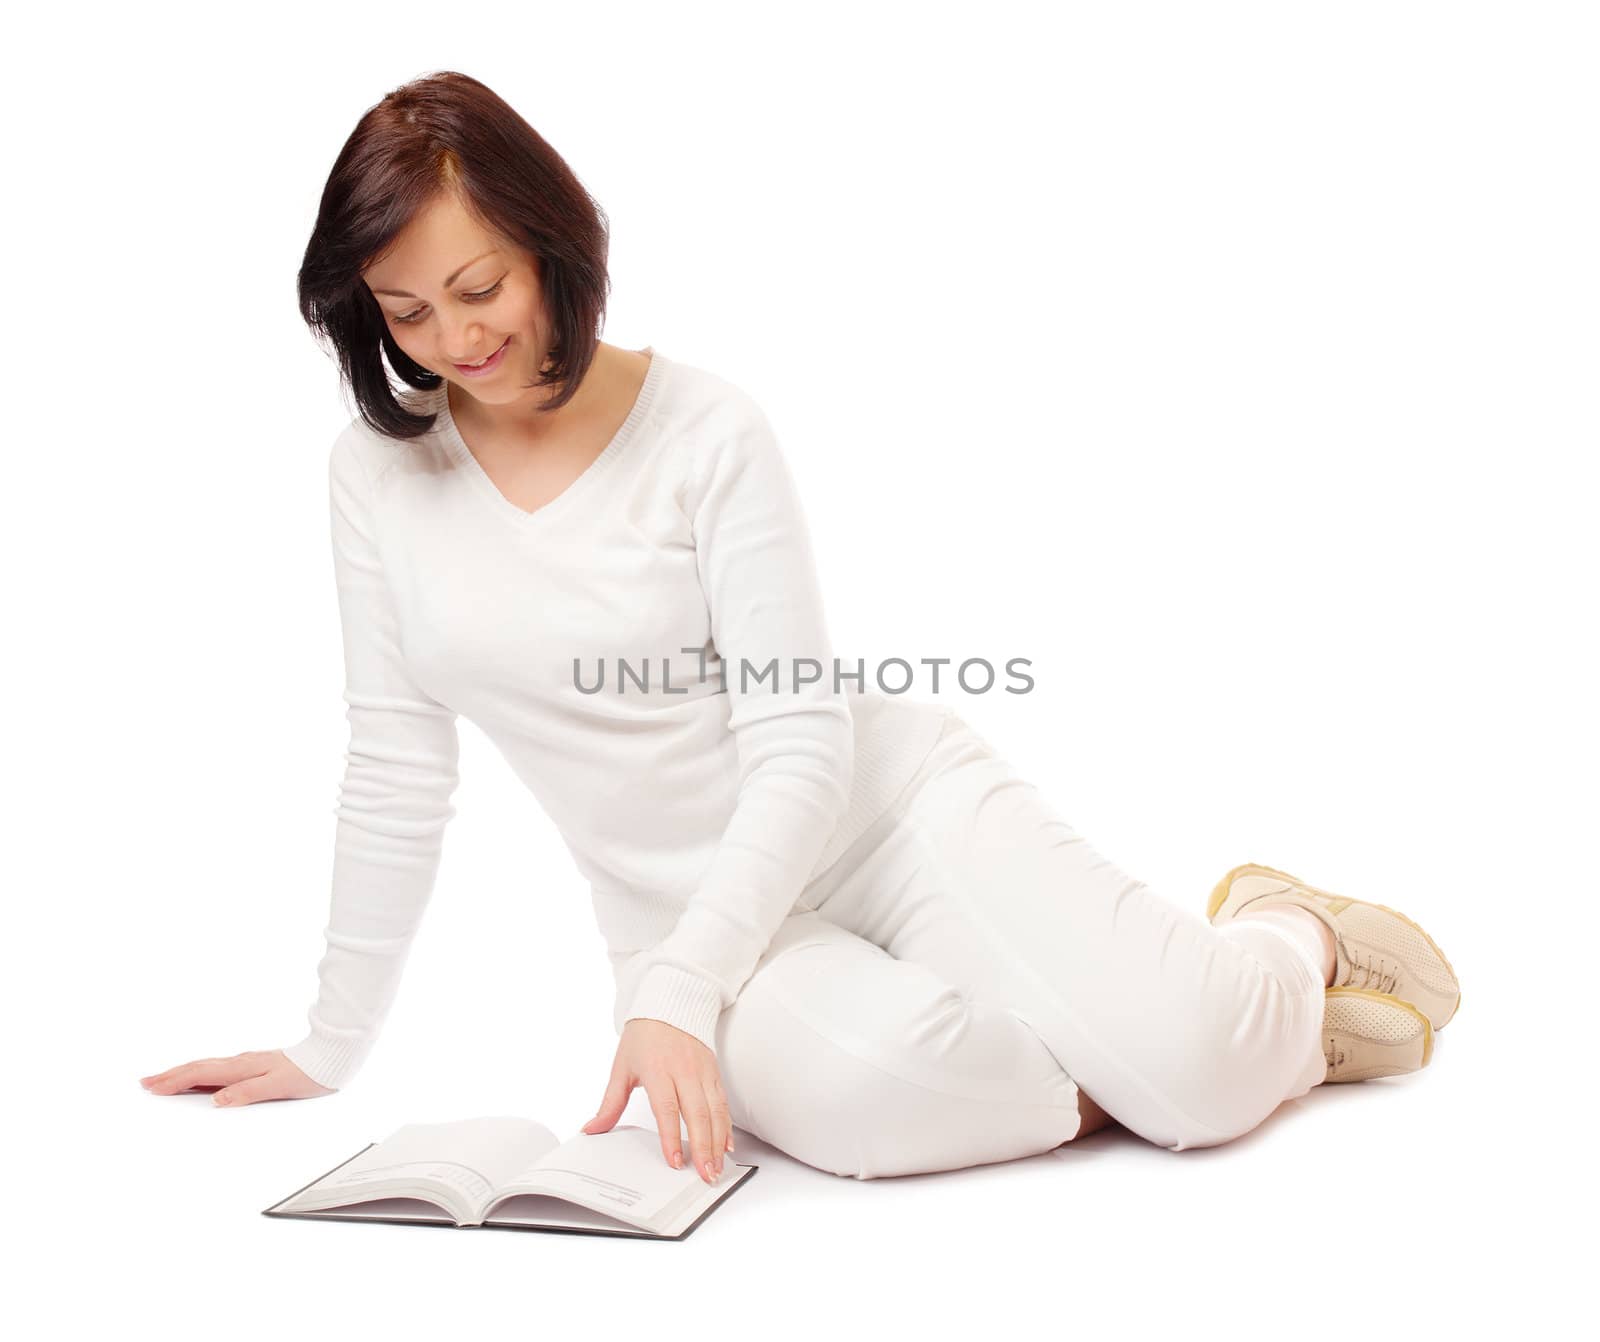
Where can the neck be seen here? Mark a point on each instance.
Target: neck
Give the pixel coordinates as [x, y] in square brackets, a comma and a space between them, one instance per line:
[522, 418]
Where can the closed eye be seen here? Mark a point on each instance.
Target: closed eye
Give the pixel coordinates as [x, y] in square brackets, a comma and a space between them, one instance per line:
[415, 314]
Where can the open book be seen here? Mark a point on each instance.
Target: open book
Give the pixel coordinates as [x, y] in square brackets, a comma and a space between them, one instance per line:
[515, 1174]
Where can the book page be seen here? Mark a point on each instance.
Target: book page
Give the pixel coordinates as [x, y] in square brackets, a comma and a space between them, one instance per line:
[620, 1173]
[469, 1158]
[383, 1209]
[538, 1209]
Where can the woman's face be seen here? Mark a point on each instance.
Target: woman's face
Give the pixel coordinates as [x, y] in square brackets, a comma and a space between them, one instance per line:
[452, 293]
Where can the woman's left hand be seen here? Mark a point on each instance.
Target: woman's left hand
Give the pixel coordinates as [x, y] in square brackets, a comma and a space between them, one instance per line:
[680, 1076]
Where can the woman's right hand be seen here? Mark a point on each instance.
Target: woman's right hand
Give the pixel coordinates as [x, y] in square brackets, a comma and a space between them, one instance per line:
[243, 1078]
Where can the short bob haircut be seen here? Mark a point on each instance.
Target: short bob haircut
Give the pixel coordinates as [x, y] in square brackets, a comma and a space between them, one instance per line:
[448, 132]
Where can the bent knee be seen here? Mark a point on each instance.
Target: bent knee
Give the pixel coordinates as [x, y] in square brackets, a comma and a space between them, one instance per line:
[943, 1088]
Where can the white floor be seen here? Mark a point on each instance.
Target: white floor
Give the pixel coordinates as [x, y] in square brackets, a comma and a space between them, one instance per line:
[1412, 1206]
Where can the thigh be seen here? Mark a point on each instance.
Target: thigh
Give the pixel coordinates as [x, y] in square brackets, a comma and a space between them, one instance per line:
[861, 1064]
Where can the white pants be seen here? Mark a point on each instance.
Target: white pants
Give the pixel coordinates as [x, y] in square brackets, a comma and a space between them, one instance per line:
[942, 989]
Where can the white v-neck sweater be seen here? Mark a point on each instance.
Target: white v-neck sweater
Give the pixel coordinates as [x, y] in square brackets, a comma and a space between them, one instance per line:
[703, 785]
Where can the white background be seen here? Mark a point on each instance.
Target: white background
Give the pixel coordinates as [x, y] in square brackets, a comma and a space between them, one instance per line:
[1234, 363]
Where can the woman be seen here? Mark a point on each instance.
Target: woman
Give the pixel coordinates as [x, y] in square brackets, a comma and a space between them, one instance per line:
[837, 919]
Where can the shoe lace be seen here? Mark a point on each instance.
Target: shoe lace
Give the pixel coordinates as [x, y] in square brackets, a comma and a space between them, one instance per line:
[1375, 973]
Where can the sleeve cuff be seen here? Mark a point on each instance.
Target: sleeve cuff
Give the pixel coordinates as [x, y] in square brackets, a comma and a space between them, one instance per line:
[327, 1059]
[688, 1001]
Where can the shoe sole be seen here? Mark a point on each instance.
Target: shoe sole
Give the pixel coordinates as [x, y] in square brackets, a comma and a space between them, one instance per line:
[1393, 1004]
[1220, 894]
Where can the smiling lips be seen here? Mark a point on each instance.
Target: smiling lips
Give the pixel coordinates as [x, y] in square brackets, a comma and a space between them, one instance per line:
[493, 361]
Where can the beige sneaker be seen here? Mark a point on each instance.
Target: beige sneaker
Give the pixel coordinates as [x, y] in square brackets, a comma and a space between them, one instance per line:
[1375, 947]
[1367, 1034]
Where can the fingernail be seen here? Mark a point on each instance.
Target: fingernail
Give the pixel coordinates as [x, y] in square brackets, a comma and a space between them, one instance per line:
[677, 1160]
[219, 1098]
[730, 1145]
[711, 1174]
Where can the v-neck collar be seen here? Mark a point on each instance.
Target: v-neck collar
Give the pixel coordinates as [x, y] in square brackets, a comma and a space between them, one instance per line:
[450, 436]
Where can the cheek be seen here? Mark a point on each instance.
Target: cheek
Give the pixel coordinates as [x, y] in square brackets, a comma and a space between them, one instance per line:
[523, 316]
[406, 338]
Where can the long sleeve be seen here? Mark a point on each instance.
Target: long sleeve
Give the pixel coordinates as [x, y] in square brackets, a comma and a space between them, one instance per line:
[394, 802]
[795, 739]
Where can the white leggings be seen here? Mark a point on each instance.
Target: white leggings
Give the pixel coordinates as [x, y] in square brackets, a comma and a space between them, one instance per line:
[942, 989]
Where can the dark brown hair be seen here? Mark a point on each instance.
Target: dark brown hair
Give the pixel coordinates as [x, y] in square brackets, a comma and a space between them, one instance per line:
[448, 132]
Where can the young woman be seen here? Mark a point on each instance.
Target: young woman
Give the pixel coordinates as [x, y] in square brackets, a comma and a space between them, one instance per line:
[836, 919]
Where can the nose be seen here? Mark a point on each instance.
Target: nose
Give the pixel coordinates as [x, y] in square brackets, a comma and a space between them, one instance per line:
[466, 336]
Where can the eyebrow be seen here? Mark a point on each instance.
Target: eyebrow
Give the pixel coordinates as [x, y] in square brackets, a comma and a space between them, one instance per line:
[450, 279]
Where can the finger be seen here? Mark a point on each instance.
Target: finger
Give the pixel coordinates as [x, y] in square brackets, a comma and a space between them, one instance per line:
[246, 1092]
[721, 1121]
[697, 1113]
[613, 1102]
[206, 1072]
[162, 1076]
[664, 1105]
